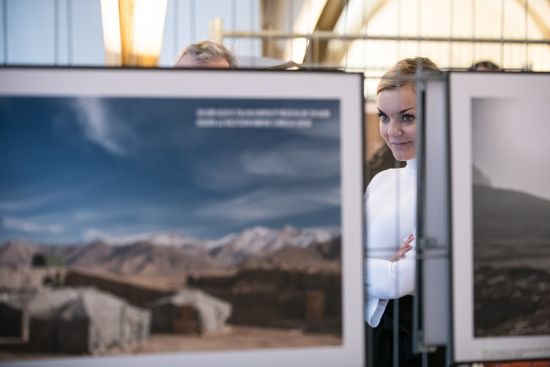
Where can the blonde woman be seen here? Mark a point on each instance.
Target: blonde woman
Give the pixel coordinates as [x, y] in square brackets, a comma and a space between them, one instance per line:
[390, 202]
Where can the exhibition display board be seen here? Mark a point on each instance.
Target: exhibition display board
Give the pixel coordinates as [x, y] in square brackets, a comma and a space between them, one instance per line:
[500, 210]
[181, 217]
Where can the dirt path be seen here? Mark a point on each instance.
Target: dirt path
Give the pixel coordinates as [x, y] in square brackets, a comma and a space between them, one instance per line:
[237, 338]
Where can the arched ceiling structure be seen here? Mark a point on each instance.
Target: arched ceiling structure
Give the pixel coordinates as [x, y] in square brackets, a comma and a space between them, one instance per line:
[372, 34]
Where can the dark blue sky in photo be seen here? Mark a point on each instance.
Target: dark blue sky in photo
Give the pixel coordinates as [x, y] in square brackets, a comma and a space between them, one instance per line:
[76, 169]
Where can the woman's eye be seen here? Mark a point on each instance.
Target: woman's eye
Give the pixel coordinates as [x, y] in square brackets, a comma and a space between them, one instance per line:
[383, 117]
[407, 118]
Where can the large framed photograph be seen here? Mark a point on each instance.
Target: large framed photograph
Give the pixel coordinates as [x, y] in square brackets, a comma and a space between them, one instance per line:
[500, 183]
[180, 217]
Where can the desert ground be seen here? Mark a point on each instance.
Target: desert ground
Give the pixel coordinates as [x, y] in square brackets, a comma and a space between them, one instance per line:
[234, 338]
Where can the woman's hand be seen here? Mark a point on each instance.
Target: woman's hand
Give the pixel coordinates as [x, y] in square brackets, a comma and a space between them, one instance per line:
[405, 247]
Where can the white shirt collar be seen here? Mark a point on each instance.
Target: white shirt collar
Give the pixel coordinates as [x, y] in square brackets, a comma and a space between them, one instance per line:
[411, 165]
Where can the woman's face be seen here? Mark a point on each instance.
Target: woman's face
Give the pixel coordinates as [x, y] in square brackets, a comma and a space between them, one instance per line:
[397, 112]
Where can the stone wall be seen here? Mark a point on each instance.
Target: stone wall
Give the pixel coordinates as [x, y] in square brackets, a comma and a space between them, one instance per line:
[135, 294]
[279, 298]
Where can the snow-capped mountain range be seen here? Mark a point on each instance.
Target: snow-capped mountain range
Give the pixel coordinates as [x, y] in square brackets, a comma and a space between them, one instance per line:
[261, 240]
[174, 252]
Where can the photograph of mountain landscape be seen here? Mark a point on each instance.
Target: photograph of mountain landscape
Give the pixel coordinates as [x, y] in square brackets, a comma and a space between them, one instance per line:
[147, 225]
[511, 207]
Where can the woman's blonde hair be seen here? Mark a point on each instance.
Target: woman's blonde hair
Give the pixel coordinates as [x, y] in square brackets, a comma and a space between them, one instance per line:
[404, 73]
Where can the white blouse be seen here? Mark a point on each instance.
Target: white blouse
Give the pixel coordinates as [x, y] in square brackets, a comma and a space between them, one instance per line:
[390, 204]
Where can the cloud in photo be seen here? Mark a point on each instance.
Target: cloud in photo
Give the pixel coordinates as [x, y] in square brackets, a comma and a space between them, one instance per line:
[30, 226]
[94, 234]
[328, 129]
[31, 198]
[265, 204]
[287, 162]
[294, 161]
[16, 205]
[101, 127]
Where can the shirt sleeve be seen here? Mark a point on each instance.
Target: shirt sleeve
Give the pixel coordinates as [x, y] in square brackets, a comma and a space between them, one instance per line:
[374, 309]
[387, 279]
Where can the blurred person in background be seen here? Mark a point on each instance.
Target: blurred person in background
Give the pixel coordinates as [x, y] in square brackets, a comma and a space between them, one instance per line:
[206, 54]
[485, 65]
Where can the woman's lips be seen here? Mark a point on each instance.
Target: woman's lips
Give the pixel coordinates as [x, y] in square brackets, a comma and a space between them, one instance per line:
[400, 143]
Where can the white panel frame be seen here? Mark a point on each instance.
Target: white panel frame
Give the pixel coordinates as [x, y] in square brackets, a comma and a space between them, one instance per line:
[463, 88]
[436, 251]
[346, 87]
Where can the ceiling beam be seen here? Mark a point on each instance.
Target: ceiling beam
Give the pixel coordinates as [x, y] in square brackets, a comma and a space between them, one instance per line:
[316, 50]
